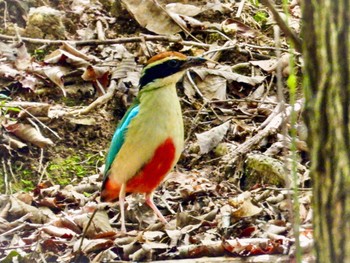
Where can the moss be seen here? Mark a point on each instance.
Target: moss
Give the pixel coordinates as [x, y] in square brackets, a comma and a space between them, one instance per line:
[64, 171]
[24, 177]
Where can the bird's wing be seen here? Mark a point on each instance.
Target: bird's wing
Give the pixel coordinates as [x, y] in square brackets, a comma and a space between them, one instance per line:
[119, 136]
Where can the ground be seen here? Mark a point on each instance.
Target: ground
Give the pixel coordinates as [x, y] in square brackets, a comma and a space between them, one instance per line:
[229, 194]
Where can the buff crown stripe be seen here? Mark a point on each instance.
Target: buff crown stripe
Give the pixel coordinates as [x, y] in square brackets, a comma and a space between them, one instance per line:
[165, 55]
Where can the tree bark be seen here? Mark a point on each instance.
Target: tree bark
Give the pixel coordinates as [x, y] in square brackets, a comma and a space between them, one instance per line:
[326, 51]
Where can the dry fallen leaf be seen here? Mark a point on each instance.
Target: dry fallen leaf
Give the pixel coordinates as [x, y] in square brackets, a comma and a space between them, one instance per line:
[60, 55]
[243, 206]
[162, 21]
[151, 16]
[56, 74]
[28, 133]
[213, 82]
[59, 231]
[210, 139]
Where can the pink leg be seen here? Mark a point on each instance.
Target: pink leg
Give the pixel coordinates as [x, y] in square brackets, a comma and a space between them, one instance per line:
[121, 205]
[149, 201]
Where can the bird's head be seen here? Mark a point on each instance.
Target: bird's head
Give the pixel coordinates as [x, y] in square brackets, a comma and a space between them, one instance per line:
[167, 67]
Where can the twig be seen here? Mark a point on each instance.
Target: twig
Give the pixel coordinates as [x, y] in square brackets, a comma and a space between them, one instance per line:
[264, 47]
[9, 165]
[5, 14]
[240, 8]
[100, 31]
[15, 229]
[43, 171]
[104, 98]
[282, 24]
[271, 128]
[194, 123]
[243, 100]
[205, 100]
[5, 176]
[85, 231]
[40, 122]
[104, 42]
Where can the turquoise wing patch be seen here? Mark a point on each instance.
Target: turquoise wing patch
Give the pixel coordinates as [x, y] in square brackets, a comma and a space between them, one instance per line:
[119, 136]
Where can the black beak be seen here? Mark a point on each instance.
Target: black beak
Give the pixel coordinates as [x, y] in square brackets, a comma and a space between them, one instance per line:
[193, 61]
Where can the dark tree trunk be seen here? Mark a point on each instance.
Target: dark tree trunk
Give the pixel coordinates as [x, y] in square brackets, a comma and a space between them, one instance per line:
[326, 51]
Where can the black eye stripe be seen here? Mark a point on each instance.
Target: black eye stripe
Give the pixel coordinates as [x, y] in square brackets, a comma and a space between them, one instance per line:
[162, 70]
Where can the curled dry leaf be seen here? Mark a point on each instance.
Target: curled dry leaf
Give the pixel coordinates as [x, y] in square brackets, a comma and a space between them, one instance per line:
[60, 55]
[29, 134]
[232, 27]
[93, 73]
[12, 142]
[243, 206]
[271, 65]
[59, 231]
[72, 50]
[210, 139]
[56, 74]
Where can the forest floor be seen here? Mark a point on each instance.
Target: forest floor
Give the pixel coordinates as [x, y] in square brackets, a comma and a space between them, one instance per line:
[68, 72]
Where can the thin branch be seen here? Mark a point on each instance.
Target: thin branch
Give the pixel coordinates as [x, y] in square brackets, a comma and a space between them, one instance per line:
[106, 41]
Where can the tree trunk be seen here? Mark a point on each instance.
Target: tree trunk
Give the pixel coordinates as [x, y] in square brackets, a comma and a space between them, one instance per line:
[326, 51]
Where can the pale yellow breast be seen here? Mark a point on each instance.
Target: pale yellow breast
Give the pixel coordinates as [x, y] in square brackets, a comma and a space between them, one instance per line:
[159, 118]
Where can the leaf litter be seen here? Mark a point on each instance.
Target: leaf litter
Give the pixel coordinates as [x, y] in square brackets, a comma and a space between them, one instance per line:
[221, 200]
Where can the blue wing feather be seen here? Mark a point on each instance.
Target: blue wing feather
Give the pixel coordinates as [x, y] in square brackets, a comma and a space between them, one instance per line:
[119, 136]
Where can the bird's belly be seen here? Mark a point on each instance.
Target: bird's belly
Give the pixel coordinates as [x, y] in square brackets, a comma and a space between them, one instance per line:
[153, 172]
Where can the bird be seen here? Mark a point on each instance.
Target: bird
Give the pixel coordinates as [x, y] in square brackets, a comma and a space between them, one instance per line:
[149, 139]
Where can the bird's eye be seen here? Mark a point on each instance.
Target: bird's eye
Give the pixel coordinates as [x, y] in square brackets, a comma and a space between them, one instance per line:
[173, 63]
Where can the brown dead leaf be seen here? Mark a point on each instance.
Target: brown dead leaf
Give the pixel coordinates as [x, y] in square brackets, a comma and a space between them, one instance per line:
[28, 133]
[210, 139]
[13, 143]
[60, 56]
[23, 59]
[92, 245]
[67, 221]
[213, 82]
[8, 72]
[72, 50]
[151, 16]
[59, 231]
[93, 73]
[100, 224]
[153, 235]
[56, 74]
[19, 209]
[272, 64]
[243, 207]
[28, 81]
[235, 27]
[174, 235]
[184, 9]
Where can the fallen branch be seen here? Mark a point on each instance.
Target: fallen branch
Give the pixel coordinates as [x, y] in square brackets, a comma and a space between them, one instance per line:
[269, 128]
[94, 42]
